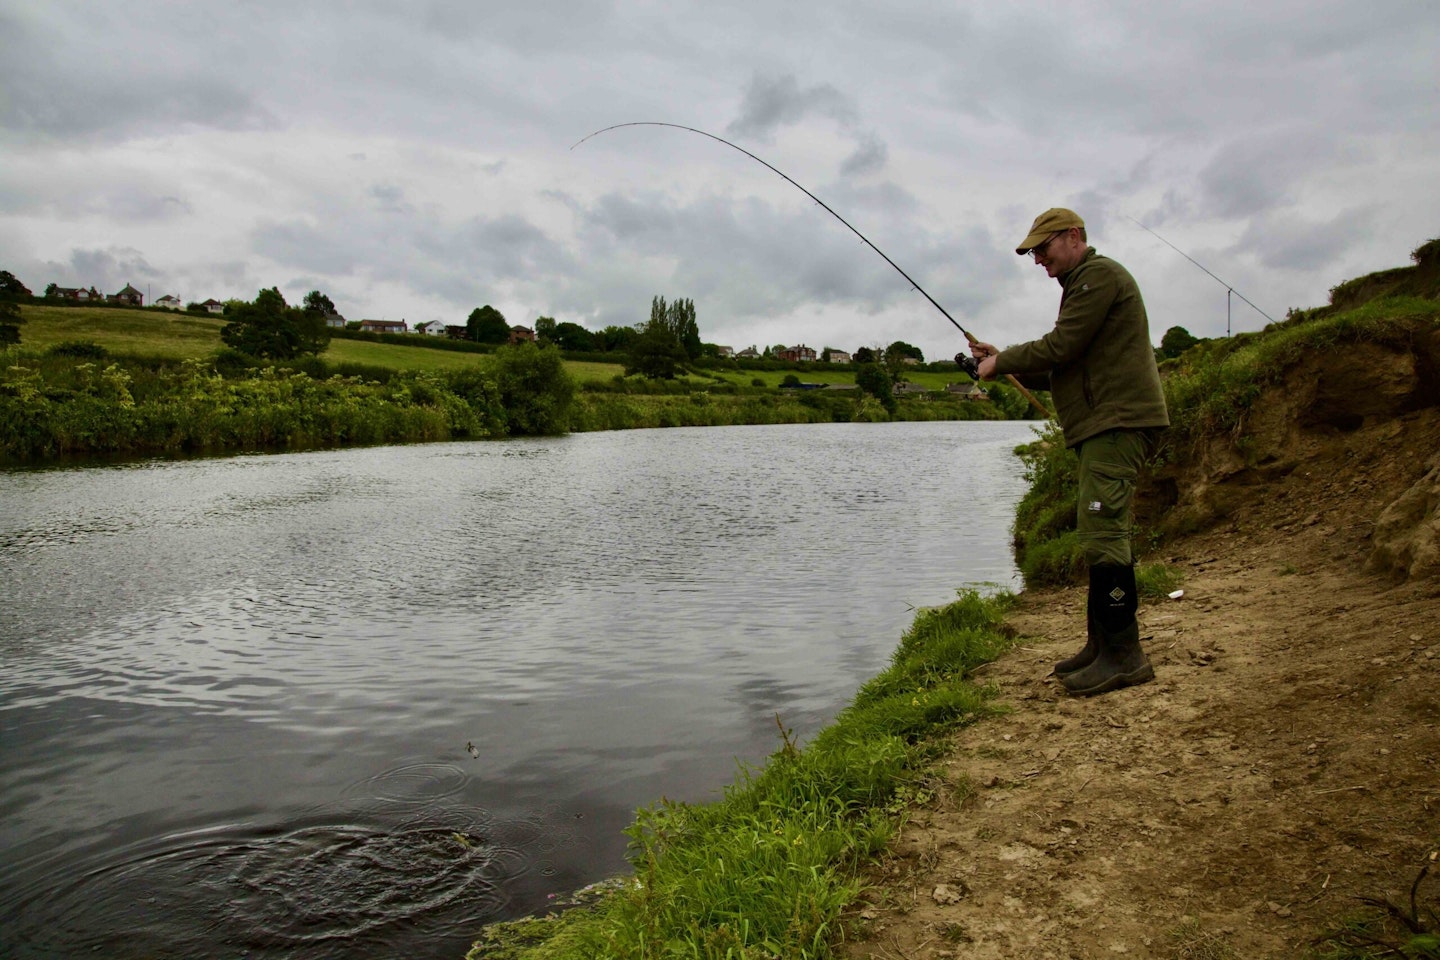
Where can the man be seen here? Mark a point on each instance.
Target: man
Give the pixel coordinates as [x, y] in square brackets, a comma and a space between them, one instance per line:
[1102, 376]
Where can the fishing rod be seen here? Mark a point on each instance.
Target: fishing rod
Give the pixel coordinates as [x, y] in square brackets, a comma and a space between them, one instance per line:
[968, 365]
[1228, 289]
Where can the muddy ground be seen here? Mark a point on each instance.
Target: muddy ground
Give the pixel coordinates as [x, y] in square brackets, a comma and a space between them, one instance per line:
[1285, 760]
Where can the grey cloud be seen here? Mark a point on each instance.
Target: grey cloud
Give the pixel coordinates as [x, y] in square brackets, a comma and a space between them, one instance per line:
[390, 199]
[1288, 242]
[59, 88]
[110, 269]
[327, 251]
[774, 102]
[1254, 175]
[870, 155]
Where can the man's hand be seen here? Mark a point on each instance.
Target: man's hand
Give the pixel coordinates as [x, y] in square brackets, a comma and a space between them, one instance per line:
[985, 353]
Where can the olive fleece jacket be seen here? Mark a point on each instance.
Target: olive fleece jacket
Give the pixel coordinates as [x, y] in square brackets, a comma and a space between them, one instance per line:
[1099, 358]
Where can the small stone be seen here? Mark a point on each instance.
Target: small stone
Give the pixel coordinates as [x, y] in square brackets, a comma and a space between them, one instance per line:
[944, 894]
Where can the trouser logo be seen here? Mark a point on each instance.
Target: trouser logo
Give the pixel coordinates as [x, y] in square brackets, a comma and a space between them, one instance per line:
[1117, 594]
[1096, 506]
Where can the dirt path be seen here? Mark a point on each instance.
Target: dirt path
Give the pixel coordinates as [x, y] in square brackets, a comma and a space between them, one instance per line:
[1285, 760]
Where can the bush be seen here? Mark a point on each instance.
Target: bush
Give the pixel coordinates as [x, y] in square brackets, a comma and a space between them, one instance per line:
[79, 350]
[535, 389]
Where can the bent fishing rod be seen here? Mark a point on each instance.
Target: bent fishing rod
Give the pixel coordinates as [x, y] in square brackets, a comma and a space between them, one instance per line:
[968, 364]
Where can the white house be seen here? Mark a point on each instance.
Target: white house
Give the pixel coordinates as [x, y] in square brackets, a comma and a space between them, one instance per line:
[170, 302]
[433, 328]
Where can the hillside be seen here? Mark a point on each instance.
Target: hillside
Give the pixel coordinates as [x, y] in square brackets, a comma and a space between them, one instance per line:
[1286, 761]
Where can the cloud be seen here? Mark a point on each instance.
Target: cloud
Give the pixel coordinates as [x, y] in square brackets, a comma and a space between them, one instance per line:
[108, 270]
[778, 101]
[869, 157]
[1290, 242]
[59, 89]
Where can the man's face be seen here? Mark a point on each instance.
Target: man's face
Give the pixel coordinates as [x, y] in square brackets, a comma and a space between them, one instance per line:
[1060, 253]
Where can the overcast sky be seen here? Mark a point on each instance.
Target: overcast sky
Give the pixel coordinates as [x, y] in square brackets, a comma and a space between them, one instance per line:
[414, 160]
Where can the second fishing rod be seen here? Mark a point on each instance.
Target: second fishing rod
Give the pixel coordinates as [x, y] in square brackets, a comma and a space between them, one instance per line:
[966, 363]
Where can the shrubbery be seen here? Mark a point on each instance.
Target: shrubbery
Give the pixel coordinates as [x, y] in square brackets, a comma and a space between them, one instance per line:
[74, 399]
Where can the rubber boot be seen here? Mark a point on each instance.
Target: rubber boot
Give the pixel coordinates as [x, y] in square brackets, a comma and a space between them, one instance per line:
[1092, 641]
[1120, 662]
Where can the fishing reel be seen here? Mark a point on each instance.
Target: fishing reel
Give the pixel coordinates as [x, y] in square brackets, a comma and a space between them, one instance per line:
[968, 366]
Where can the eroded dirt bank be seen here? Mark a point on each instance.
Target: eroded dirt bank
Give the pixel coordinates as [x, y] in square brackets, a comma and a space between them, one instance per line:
[1285, 761]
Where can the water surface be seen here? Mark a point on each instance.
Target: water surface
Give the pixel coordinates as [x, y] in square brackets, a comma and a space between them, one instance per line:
[356, 703]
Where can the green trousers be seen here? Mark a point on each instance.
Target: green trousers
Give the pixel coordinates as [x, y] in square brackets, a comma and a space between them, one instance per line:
[1109, 464]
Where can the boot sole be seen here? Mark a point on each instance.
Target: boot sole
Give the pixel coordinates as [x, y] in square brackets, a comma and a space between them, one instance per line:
[1115, 681]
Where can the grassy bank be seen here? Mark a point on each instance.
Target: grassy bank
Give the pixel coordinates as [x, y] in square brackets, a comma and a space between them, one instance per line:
[766, 871]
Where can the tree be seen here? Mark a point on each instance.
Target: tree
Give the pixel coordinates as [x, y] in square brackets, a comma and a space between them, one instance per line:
[545, 329]
[616, 338]
[487, 325]
[11, 292]
[572, 336]
[10, 320]
[1175, 342]
[317, 302]
[655, 353]
[272, 330]
[900, 350]
[680, 318]
[864, 355]
[11, 288]
[872, 378]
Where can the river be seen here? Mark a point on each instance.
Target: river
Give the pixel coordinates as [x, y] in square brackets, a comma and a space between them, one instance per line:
[357, 703]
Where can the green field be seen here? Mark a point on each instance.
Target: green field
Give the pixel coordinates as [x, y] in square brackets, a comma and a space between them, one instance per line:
[178, 336]
[157, 333]
[151, 333]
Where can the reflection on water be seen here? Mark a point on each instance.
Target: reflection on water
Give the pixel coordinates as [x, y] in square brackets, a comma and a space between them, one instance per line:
[321, 704]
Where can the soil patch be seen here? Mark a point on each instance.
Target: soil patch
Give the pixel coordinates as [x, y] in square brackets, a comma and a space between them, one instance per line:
[1285, 761]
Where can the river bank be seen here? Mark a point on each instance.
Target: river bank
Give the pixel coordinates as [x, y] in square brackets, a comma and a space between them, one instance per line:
[1284, 764]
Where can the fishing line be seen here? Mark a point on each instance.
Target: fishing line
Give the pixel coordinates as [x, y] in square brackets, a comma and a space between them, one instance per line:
[1229, 289]
[968, 337]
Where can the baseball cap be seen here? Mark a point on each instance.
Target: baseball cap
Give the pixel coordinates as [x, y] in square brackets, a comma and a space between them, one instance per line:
[1051, 221]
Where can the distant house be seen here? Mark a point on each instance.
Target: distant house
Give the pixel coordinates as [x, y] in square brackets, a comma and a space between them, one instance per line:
[384, 326]
[905, 386]
[335, 320]
[129, 295]
[967, 390]
[798, 354]
[522, 335]
[213, 306]
[73, 293]
[457, 331]
[749, 353]
[431, 328]
[839, 356]
[725, 353]
[170, 302]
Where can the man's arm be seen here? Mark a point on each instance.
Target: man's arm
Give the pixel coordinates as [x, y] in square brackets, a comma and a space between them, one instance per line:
[1086, 304]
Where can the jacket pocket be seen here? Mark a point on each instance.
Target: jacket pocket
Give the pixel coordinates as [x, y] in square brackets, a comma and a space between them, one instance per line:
[1085, 386]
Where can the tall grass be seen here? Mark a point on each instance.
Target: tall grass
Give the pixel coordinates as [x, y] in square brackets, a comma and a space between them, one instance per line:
[766, 871]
